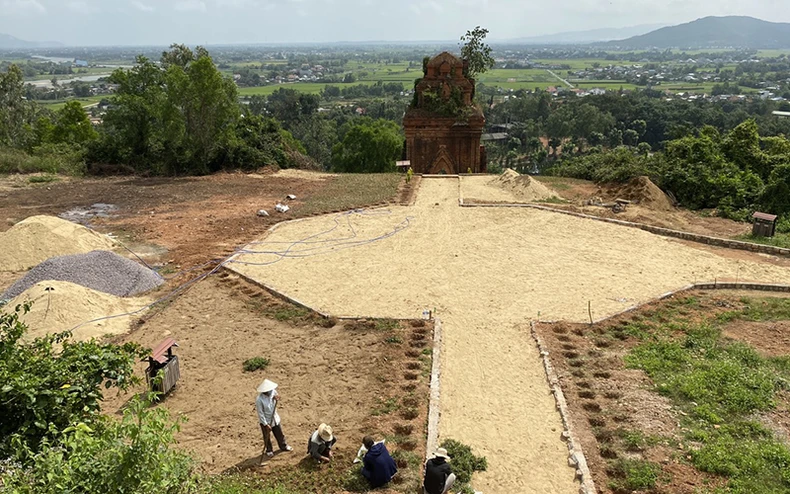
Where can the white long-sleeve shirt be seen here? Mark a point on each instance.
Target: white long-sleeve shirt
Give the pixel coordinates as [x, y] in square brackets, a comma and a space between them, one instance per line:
[267, 415]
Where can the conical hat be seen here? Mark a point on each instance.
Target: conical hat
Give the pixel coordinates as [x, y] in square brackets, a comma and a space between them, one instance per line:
[266, 386]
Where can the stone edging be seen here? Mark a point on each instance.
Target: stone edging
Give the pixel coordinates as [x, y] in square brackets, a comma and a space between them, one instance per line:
[434, 410]
[666, 232]
[576, 457]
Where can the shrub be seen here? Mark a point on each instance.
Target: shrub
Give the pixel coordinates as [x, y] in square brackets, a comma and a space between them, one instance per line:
[255, 363]
[133, 455]
[50, 158]
[52, 382]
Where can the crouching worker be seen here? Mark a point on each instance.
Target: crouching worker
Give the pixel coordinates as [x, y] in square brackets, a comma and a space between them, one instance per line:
[377, 465]
[320, 444]
[266, 406]
[439, 479]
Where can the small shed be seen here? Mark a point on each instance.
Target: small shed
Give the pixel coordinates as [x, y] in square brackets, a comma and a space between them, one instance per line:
[162, 359]
[764, 224]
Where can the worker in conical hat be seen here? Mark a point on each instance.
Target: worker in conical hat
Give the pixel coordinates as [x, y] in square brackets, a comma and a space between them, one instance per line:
[266, 405]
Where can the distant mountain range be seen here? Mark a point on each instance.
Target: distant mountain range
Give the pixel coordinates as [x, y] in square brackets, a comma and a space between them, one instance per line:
[585, 37]
[8, 42]
[712, 32]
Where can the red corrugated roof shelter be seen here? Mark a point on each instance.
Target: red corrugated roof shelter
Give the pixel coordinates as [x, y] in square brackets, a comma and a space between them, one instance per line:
[163, 361]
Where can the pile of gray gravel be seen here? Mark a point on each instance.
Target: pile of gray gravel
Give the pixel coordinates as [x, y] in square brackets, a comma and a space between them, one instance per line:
[99, 270]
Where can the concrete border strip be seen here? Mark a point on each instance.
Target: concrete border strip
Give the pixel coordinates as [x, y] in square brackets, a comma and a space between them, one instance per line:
[666, 232]
[576, 458]
[434, 406]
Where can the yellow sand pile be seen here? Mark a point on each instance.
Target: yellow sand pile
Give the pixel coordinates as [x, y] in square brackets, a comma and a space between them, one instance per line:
[642, 191]
[67, 305]
[522, 186]
[38, 238]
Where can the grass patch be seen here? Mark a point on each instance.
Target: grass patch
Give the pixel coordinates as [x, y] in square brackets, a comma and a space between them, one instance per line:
[237, 484]
[765, 309]
[50, 159]
[394, 340]
[287, 313]
[406, 459]
[43, 179]
[464, 463]
[349, 191]
[633, 475]
[386, 324]
[720, 385]
[255, 363]
[385, 407]
[553, 200]
[778, 240]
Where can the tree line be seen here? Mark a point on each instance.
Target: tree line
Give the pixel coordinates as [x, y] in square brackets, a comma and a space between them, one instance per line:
[180, 116]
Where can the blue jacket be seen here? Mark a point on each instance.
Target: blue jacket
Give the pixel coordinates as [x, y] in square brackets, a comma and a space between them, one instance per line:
[378, 466]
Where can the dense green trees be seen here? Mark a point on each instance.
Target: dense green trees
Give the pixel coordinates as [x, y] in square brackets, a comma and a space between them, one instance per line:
[172, 118]
[368, 146]
[735, 173]
[182, 117]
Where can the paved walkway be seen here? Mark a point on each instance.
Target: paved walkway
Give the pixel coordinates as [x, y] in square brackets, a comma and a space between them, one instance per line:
[487, 272]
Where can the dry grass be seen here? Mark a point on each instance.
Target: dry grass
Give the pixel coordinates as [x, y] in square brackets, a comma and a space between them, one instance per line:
[349, 191]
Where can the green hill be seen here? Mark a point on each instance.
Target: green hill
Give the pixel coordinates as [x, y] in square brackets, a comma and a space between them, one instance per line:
[713, 32]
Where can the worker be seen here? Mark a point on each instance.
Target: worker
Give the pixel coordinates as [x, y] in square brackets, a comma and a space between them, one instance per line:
[377, 465]
[320, 444]
[439, 478]
[266, 406]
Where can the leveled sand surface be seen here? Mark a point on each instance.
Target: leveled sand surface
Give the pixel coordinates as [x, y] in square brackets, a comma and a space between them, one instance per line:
[486, 272]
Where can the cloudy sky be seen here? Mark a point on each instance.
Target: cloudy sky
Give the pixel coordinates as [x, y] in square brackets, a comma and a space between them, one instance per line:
[161, 22]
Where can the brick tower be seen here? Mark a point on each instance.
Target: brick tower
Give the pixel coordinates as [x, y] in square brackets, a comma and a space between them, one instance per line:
[443, 125]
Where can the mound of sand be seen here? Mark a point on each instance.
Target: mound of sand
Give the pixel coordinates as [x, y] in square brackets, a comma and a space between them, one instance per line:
[38, 238]
[98, 270]
[643, 191]
[522, 186]
[66, 305]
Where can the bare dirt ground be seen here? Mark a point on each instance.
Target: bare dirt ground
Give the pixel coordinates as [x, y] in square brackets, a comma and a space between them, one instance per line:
[487, 272]
[334, 372]
[577, 192]
[190, 220]
[606, 398]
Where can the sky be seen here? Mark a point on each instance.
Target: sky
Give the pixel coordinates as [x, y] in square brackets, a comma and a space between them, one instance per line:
[210, 22]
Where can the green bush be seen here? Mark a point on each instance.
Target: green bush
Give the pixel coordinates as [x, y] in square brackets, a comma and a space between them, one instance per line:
[255, 363]
[133, 455]
[52, 382]
[49, 158]
[464, 463]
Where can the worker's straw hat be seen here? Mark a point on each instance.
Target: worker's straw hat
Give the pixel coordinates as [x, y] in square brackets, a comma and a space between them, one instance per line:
[325, 432]
[266, 386]
[441, 453]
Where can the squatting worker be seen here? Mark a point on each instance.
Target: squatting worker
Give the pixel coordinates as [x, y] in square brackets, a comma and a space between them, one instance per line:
[439, 479]
[377, 465]
[320, 444]
[266, 405]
